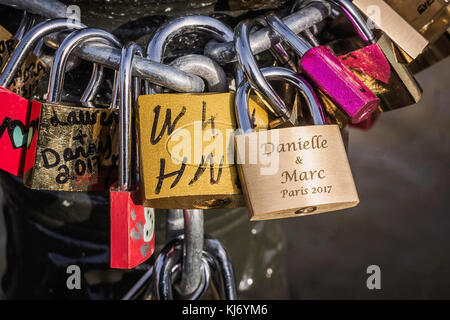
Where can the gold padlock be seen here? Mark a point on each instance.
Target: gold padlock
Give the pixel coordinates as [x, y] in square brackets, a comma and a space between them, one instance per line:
[185, 147]
[26, 80]
[430, 17]
[76, 147]
[294, 171]
[179, 168]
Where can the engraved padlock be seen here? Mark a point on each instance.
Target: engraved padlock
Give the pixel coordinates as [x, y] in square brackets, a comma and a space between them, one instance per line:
[377, 66]
[328, 73]
[132, 224]
[293, 171]
[75, 147]
[393, 24]
[185, 139]
[17, 129]
[430, 17]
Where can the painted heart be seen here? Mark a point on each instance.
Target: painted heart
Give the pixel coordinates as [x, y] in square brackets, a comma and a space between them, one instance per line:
[20, 138]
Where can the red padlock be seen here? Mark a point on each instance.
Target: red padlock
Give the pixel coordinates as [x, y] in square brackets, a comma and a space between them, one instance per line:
[16, 129]
[132, 224]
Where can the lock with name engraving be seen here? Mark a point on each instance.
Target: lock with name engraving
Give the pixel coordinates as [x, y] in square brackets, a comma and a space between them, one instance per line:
[132, 224]
[327, 72]
[186, 139]
[292, 171]
[17, 129]
[75, 148]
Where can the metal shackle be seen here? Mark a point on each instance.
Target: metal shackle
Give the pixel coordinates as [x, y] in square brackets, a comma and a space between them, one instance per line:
[26, 23]
[127, 100]
[218, 30]
[56, 79]
[277, 73]
[94, 83]
[298, 44]
[28, 42]
[253, 73]
[356, 19]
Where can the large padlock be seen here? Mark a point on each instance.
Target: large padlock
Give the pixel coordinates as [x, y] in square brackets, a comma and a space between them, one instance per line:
[376, 65]
[328, 73]
[185, 139]
[292, 171]
[430, 17]
[394, 25]
[75, 147]
[132, 224]
[17, 129]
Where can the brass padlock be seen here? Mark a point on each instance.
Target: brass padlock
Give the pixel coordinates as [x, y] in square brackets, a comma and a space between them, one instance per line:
[293, 171]
[180, 167]
[76, 147]
[430, 17]
[394, 25]
[26, 79]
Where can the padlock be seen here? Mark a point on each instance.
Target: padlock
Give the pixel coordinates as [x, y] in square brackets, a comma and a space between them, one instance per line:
[393, 24]
[430, 17]
[292, 171]
[201, 174]
[29, 72]
[132, 224]
[328, 73]
[17, 129]
[377, 66]
[75, 147]
[434, 53]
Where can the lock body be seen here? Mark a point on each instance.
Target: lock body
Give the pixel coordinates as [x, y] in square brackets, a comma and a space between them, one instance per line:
[393, 24]
[301, 171]
[16, 131]
[186, 150]
[132, 229]
[75, 148]
[430, 17]
[335, 80]
[378, 68]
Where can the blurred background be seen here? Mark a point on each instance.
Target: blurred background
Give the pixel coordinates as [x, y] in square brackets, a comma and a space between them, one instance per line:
[401, 169]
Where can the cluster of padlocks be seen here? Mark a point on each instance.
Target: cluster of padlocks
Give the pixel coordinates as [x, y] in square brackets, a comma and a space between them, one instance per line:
[225, 139]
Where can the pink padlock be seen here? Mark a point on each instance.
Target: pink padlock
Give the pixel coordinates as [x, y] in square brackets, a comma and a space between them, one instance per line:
[328, 73]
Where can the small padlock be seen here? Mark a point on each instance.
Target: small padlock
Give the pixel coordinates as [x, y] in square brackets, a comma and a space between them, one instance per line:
[377, 66]
[328, 73]
[75, 147]
[393, 24]
[132, 224]
[292, 171]
[186, 139]
[17, 129]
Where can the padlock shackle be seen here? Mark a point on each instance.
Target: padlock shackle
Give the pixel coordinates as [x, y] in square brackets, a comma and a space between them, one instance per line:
[296, 42]
[250, 68]
[157, 45]
[30, 39]
[356, 19]
[125, 114]
[26, 23]
[277, 73]
[94, 83]
[56, 80]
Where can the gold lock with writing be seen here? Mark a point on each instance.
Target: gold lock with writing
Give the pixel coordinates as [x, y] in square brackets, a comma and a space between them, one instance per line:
[293, 171]
[75, 148]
